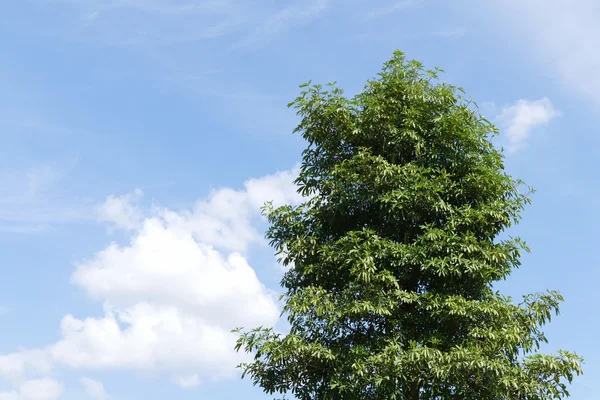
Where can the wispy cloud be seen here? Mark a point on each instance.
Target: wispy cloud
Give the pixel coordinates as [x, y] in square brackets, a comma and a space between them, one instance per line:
[132, 23]
[160, 22]
[121, 212]
[94, 388]
[561, 34]
[167, 7]
[24, 228]
[522, 118]
[182, 41]
[390, 9]
[450, 34]
[31, 200]
[283, 20]
[187, 382]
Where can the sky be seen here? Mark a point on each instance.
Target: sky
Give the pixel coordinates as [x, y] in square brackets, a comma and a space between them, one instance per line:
[139, 139]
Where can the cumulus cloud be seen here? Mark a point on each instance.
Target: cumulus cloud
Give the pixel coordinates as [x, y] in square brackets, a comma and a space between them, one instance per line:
[94, 388]
[173, 293]
[522, 118]
[226, 219]
[38, 389]
[171, 304]
[278, 188]
[170, 268]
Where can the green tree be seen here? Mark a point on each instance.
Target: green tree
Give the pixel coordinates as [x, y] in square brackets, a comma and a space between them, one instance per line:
[394, 254]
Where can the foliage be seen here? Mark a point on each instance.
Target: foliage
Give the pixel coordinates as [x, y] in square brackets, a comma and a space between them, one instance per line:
[393, 256]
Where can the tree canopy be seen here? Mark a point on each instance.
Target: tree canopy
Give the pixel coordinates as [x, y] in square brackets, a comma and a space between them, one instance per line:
[394, 254]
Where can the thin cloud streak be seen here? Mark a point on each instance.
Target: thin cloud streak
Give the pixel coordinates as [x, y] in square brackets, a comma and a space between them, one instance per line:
[283, 20]
[160, 22]
[31, 200]
[390, 9]
[450, 34]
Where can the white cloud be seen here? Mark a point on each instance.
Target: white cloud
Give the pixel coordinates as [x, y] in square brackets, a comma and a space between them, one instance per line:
[13, 366]
[557, 33]
[41, 389]
[122, 211]
[521, 118]
[278, 188]
[171, 304]
[37, 389]
[94, 389]
[168, 267]
[187, 382]
[224, 220]
[171, 296]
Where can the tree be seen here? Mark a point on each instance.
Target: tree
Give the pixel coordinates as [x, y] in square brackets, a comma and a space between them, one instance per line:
[393, 256]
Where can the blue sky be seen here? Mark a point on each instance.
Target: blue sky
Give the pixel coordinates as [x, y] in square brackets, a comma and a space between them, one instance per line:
[139, 138]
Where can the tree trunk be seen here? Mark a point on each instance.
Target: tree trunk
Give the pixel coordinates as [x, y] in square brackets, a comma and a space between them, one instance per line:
[414, 391]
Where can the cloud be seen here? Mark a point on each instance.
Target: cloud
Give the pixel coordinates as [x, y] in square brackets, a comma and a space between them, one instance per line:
[170, 305]
[226, 218]
[171, 297]
[559, 34]
[522, 118]
[163, 7]
[182, 43]
[160, 22]
[40, 180]
[390, 9]
[187, 382]
[15, 365]
[279, 188]
[122, 212]
[31, 199]
[172, 294]
[450, 34]
[41, 389]
[140, 23]
[284, 19]
[94, 389]
[38, 389]
[26, 228]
